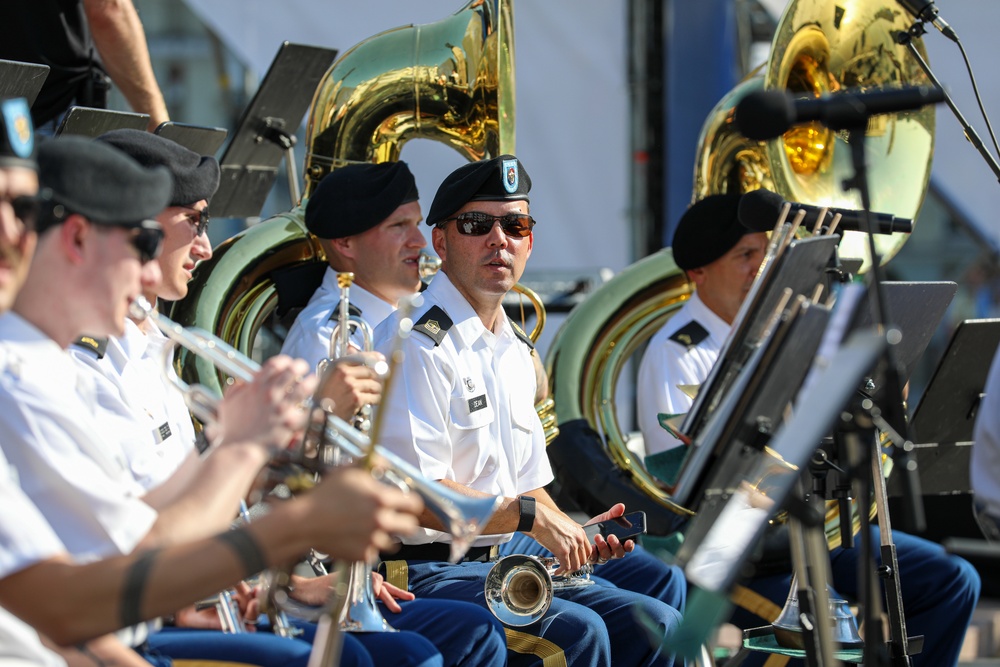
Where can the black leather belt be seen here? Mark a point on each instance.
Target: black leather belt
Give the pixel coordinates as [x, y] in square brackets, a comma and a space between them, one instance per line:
[441, 552]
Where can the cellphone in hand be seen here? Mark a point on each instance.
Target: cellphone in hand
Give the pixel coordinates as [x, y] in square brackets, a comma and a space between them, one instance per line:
[624, 527]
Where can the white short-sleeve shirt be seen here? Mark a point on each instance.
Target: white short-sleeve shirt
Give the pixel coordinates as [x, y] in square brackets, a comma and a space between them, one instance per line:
[669, 362]
[25, 539]
[309, 337]
[985, 465]
[463, 409]
[154, 428]
[51, 433]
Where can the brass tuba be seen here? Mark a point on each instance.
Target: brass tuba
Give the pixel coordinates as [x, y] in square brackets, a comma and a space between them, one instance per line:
[450, 81]
[819, 46]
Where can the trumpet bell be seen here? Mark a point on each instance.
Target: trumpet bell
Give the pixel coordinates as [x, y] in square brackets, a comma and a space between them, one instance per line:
[518, 590]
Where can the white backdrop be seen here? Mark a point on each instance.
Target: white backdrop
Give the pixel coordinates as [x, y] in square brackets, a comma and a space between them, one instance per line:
[572, 121]
[572, 115]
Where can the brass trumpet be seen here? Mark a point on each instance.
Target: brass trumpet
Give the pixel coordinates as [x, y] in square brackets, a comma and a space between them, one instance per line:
[519, 588]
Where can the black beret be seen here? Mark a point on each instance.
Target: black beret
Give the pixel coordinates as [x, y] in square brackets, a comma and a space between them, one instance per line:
[502, 178]
[196, 177]
[100, 182]
[356, 197]
[708, 230]
[17, 136]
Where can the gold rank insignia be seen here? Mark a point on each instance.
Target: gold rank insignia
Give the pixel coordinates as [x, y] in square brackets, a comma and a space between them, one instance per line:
[432, 326]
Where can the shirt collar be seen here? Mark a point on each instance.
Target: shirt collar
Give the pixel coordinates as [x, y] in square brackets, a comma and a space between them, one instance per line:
[465, 321]
[717, 327]
[373, 309]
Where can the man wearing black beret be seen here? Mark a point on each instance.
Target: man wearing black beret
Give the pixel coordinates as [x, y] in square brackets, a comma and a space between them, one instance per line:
[68, 601]
[367, 219]
[721, 257]
[461, 408]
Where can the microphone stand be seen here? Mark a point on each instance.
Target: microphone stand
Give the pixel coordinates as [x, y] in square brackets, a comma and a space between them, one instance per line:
[856, 127]
[906, 38]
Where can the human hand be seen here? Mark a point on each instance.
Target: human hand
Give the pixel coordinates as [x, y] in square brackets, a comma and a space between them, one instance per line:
[351, 382]
[610, 548]
[268, 410]
[562, 536]
[353, 516]
[388, 593]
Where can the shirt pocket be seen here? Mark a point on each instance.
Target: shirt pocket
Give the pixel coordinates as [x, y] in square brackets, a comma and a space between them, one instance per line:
[471, 412]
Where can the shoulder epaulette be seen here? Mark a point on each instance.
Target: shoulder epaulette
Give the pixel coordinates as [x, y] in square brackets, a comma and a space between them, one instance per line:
[525, 338]
[434, 324]
[96, 345]
[351, 309]
[690, 334]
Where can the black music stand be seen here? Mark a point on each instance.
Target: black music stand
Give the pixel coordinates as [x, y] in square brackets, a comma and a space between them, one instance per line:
[201, 139]
[942, 424]
[748, 416]
[800, 268]
[723, 534]
[266, 132]
[89, 122]
[19, 79]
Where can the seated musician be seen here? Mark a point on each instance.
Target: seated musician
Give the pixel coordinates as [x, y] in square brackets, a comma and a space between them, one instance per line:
[721, 258]
[71, 603]
[461, 409]
[132, 388]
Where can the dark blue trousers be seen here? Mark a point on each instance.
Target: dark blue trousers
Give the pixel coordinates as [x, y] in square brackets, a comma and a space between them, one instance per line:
[939, 592]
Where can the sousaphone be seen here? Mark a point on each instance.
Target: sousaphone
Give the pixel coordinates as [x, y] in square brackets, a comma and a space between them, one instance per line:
[449, 81]
[819, 46]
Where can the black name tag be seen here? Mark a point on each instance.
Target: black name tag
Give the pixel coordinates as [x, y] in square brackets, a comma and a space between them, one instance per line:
[163, 431]
[477, 403]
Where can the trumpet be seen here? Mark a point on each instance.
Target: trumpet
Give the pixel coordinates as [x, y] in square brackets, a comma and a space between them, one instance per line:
[519, 588]
[202, 402]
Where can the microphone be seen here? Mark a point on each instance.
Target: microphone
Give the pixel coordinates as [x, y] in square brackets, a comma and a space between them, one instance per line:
[759, 210]
[766, 114]
[925, 10]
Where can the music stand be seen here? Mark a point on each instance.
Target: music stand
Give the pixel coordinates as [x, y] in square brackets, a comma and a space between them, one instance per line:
[266, 132]
[201, 139]
[943, 422]
[723, 534]
[89, 122]
[917, 309]
[19, 79]
[800, 267]
[746, 419]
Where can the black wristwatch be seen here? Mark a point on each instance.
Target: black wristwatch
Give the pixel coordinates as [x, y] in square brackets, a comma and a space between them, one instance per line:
[526, 509]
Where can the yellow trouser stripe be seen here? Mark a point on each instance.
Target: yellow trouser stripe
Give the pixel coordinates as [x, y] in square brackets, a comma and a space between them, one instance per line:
[755, 603]
[397, 573]
[521, 642]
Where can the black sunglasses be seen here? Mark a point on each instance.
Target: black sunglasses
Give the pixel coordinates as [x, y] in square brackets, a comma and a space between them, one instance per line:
[199, 220]
[147, 239]
[26, 209]
[477, 223]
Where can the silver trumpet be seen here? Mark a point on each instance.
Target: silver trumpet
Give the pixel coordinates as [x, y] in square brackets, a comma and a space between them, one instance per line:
[519, 588]
[201, 401]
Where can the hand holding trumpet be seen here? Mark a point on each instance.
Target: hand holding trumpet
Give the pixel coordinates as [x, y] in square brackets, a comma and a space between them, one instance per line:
[569, 543]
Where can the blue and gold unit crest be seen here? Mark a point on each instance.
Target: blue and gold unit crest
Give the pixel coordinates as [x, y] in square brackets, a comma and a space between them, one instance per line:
[510, 175]
[18, 138]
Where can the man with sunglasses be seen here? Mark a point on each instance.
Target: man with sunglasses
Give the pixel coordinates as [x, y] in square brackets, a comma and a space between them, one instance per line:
[71, 602]
[461, 409]
[367, 219]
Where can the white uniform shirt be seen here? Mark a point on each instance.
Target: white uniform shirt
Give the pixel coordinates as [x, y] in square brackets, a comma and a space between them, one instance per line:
[985, 466]
[668, 363]
[309, 337]
[50, 432]
[464, 410]
[156, 433]
[25, 539]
